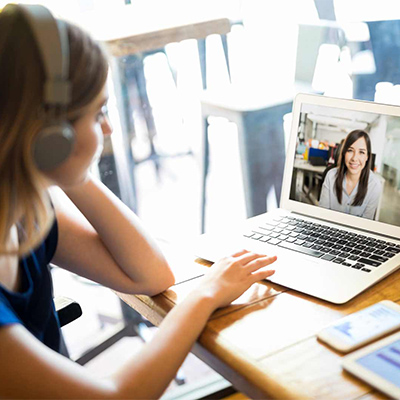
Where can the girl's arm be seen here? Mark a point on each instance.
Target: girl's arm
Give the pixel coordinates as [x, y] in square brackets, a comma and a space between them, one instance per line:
[29, 369]
[105, 241]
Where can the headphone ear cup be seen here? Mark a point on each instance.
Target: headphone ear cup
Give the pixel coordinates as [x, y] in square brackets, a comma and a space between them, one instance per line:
[53, 145]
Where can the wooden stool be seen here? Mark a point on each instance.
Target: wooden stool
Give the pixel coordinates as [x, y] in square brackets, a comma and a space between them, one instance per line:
[261, 142]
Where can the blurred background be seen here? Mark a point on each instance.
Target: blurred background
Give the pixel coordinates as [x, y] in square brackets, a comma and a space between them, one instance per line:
[200, 101]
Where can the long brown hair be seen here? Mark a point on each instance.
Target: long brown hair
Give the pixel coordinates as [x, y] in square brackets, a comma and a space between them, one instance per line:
[23, 196]
[352, 137]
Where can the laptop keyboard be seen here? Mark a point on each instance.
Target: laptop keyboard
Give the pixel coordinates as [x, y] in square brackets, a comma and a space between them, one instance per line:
[331, 244]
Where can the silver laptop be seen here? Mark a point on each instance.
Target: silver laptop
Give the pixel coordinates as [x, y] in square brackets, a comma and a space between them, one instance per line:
[329, 249]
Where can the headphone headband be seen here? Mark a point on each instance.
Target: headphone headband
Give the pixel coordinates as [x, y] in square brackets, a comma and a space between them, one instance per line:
[52, 40]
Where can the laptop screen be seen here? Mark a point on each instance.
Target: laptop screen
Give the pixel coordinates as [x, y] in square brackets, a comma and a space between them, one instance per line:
[348, 161]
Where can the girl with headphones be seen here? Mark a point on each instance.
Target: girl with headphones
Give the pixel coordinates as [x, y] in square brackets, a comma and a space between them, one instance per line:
[52, 122]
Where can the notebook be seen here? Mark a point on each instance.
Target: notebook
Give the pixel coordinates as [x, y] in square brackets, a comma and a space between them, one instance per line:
[326, 248]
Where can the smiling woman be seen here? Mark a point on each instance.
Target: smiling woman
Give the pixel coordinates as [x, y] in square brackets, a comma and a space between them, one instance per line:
[352, 187]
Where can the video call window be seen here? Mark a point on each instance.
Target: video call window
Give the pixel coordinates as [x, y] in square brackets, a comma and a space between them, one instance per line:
[348, 161]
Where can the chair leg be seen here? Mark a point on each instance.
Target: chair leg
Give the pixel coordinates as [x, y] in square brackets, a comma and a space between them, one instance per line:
[118, 334]
[135, 73]
[224, 41]
[202, 49]
[133, 325]
[206, 160]
[171, 68]
[120, 163]
[147, 112]
[201, 46]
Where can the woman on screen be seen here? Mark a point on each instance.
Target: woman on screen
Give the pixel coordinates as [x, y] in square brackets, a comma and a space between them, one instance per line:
[352, 187]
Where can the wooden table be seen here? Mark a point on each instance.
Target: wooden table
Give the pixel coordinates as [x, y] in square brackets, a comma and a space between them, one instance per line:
[265, 343]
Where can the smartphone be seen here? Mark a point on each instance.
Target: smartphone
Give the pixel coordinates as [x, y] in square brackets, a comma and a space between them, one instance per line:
[362, 327]
[378, 364]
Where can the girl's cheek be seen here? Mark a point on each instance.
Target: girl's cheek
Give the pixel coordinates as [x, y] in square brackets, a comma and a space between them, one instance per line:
[99, 149]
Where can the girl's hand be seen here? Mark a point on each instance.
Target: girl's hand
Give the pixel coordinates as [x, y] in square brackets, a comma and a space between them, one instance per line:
[231, 276]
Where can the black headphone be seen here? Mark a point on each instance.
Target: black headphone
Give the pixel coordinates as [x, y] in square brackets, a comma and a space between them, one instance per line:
[56, 139]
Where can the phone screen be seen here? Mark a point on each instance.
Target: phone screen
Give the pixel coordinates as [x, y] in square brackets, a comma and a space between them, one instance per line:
[366, 323]
[384, 362]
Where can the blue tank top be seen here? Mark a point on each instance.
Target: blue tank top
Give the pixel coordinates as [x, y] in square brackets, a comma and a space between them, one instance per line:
[33, 305]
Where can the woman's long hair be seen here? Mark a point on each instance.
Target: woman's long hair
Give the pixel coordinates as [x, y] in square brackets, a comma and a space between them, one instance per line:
[23, 196]
[363, 182]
